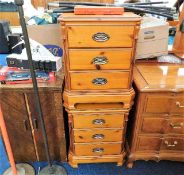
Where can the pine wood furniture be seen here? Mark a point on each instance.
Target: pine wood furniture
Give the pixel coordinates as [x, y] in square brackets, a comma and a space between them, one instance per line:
[98, 94]
[157, 129]
[22, 121]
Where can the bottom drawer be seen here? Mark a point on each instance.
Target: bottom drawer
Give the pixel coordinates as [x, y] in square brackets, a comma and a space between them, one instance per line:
[103, 80]
[98, 149]
[148, 143]
[152, 144]
[173, 144]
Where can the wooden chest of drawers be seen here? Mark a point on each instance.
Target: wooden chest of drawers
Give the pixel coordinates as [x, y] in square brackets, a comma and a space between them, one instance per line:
[158, 125]
[99, 51]
[98, 92]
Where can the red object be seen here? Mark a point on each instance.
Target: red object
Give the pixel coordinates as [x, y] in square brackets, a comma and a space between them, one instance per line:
[95, 10]
[7, 143]
[6, 71]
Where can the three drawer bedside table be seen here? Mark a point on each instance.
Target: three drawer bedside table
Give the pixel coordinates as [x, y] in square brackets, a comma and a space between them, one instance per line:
[98, 59]
[157, 127]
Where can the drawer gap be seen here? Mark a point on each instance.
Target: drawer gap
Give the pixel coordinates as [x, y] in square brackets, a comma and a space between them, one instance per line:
[86, 106]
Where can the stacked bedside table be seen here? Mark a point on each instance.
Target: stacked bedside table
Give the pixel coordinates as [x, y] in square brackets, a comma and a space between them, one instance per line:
[98, 92]
[157, 131]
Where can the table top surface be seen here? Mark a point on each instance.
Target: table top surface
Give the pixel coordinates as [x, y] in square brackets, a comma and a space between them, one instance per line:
[57, 84]
[159, 77]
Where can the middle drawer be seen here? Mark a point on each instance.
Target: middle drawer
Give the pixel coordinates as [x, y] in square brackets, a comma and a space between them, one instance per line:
[98, 135]
[103, 80]
[98, 120]
[100, 59]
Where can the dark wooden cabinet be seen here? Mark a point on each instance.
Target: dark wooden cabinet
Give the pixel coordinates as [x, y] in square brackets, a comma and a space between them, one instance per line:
[23, 124]
[18, 125]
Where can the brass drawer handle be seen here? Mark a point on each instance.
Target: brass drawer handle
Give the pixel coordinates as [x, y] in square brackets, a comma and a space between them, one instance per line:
[98, 136]
[101, 37]
[171, 145]
[100, 60]
[99, 81]
[98, 150]
[177, 125]
[179, 105]
[98, 122]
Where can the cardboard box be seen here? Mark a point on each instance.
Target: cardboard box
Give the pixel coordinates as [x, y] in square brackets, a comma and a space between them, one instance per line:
[49, 35]
[152, 38]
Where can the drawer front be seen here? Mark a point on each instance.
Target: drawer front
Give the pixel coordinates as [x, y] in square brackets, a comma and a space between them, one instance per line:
[95, 59]
[98, 149]
[98, 101]
[98, 121]
[175, 125]
[157, 104]
[146, 144]
[173, 144]
[153, 125]
[163, 125]
[100, 36]
[98, 135]
[178, 105]
[99, 80]
[165, 104]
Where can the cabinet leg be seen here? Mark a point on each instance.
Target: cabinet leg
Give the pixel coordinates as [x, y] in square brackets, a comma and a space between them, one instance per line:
[73, 164]
[120, 162]
[130, 164]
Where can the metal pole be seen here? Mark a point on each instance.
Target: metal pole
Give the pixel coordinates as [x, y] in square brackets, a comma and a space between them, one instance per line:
[20, 3]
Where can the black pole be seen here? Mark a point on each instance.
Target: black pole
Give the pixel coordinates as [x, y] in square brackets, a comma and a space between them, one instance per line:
[20, 3]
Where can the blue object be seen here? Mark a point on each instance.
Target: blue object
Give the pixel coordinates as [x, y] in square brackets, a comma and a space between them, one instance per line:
[4, 163]
[171, 40]
[55, 50]
[46, 18]
[3, 59]
[24, 75]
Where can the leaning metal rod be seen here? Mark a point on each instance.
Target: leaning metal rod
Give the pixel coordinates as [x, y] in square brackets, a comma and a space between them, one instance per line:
[153, 7]
[148, 11]
[19, 3]
[61, 3]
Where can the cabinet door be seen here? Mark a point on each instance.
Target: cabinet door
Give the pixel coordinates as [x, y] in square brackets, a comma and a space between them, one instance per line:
[18, 127]
[51, 103]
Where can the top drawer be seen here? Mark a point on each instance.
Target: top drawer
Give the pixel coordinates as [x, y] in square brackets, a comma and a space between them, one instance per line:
[165, 104]
[100, 36]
